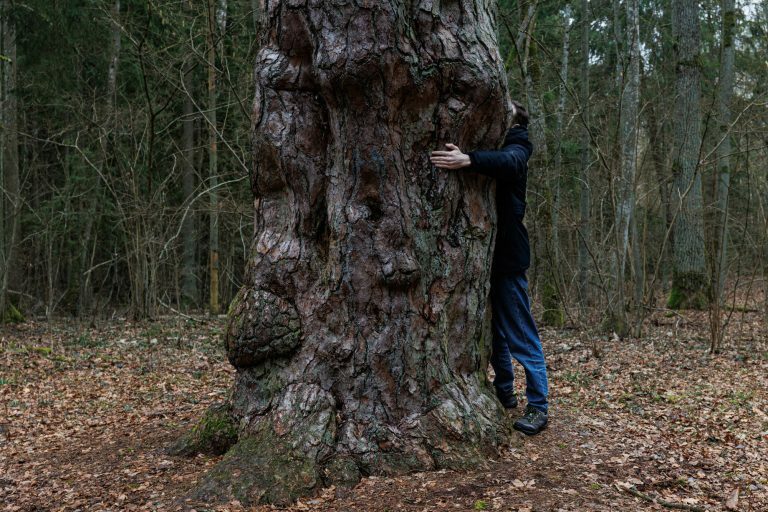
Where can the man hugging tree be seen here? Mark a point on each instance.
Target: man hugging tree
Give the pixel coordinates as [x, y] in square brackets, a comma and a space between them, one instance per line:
[514, 330]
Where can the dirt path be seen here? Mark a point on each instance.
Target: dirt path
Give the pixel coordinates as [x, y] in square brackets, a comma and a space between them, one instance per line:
[86, 415]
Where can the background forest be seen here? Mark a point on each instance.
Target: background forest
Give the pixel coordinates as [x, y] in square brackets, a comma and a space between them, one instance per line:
[125, 155]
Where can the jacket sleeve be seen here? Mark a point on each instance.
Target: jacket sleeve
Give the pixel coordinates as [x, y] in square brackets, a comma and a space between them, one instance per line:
[510, 163]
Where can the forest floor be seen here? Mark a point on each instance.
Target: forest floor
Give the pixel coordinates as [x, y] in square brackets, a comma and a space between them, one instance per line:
[86, 415]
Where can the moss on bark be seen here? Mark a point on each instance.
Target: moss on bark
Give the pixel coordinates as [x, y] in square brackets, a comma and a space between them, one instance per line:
[689, 291]
[261, 468]
[213, 434]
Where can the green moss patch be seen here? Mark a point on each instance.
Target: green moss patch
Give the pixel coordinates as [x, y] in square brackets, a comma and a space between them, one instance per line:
[12, 315]
[261, 468]
[689, 291]
[214, 434]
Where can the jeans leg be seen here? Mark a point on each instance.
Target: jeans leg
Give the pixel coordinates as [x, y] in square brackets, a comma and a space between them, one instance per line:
[522, 337]
[501, 359]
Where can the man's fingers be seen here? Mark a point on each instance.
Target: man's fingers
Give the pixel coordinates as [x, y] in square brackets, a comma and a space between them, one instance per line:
[441, 153]
[452, 146]
[448, 164]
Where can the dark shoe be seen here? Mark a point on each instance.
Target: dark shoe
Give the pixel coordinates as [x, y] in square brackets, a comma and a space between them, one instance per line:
[509, 402]
[533, 421]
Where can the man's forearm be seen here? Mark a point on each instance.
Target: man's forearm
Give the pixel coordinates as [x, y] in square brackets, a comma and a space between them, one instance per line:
[507, 164]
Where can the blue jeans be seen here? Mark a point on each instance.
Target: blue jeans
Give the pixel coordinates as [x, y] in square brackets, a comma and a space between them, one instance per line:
[515, 335]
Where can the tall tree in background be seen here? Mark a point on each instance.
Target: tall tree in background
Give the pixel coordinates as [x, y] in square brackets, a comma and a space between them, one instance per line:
[719, 252]
[361, 336]
[189, 289]
[586, 156]
[689, 279]
[10, 183]
[104, 112]
[554, 314]
[217, 21]
[625, 189]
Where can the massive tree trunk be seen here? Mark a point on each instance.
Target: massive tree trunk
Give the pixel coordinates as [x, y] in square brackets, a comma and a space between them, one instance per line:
[689, 281]
[361, 335]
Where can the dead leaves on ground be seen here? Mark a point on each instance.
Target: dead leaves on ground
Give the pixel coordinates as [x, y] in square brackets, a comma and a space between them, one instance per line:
[86, 414]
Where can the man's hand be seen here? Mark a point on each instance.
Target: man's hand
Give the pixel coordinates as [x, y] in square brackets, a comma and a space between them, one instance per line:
[453, 159]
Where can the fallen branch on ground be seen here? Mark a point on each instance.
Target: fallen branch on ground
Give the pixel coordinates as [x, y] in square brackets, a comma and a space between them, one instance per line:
[682, 506]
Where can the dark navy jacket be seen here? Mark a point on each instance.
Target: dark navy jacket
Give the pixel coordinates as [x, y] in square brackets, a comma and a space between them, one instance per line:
[509, 166]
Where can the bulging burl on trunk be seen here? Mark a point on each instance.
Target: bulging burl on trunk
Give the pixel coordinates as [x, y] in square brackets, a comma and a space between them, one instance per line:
[262, 326]
[361, 335]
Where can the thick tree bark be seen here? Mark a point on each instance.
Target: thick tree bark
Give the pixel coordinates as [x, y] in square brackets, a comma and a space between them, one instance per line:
[689, 281]
[361, 336]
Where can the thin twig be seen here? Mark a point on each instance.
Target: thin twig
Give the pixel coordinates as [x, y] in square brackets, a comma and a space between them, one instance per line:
[681, 506]
[180, 313]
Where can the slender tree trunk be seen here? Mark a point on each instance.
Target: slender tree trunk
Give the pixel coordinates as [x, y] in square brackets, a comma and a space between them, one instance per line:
[586, 156]
[106, 124]
[765, 247]
[361, 335]
[189, 262]
[625, 203]
[555, 219]
[543, 263]
[10, 274]
[189, 289]
[618, 33]
[215, 18]
[554, 314]
[689, 280]
[657, 142]
[720, 231]
[638, 274]
[3, 143]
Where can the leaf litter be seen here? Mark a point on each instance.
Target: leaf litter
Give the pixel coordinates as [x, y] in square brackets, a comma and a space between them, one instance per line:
[641, 424]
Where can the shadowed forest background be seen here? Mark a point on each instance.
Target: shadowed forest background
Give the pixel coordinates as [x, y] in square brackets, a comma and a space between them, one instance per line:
[126, 156]
[127, 219]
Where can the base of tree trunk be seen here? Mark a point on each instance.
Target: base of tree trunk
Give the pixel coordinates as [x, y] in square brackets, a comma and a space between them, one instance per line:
[554, 313]
[305, 443]
[615, 322]
[689, 291]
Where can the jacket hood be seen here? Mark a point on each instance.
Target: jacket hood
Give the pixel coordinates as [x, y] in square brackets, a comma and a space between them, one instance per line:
[518, 135]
